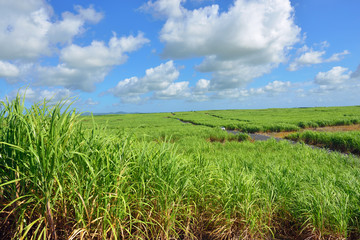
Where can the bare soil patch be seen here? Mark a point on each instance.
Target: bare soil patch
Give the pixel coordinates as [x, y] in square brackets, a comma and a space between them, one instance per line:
[346, 128]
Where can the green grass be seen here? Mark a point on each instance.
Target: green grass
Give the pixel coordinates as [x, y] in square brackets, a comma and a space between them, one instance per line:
[153, 177]
[250, 121]
[341, 141]
[274, 120]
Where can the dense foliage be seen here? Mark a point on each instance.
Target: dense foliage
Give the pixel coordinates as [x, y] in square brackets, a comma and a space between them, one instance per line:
[154, 177]
[342, 141]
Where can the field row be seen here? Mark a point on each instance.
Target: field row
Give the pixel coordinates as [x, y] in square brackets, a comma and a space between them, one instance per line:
[273, 120]
[340, 141]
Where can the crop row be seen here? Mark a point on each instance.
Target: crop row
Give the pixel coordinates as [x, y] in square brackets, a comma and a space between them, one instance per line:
[248, 124]
[340, 141]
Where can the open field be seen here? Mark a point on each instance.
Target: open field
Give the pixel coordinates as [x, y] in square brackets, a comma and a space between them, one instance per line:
[151, 176]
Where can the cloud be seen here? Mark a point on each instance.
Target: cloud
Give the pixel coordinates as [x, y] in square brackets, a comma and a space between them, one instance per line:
[244, 42]
[156, 79]
[89, 14]
[38, 95]
[178, 90]
[69, 77]
[202, 92]
[13, 71]
[202, 86]
[28, 31]
[8, 70]
[32, 33]
[271, 89]
[309, 57]
[337, 56]
[136, 99]
[338, 79]
[99, 55]
[82, 67]
[337, 75]
[236, 93]
[25, 25]
[164, 8]
[72, 25]
[277, 87]
[227, 74]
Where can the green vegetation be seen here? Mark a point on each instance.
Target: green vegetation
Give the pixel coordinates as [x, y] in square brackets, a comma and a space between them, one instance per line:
[340, 141]
[150, 176]
[274, 120]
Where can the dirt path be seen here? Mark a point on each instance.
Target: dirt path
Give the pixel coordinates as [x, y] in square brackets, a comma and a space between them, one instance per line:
[257, 136]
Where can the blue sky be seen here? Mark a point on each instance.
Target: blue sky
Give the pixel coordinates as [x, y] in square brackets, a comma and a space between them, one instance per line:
[177, 55]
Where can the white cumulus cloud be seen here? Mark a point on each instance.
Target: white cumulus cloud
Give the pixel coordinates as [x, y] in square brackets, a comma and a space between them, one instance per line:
[337, 75]
[25, 25]
[271, 89]
[8, 70]
[201, 91]
[38, 95]
[244, 42]
[337, 80]
[29, 31]
[277, 87]
[309, 57]
[176, 90]
[82, 67]
[337, 56]
[202, 86]
[165, 8]
[227, 74]
[72, 24]
[156, 79]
